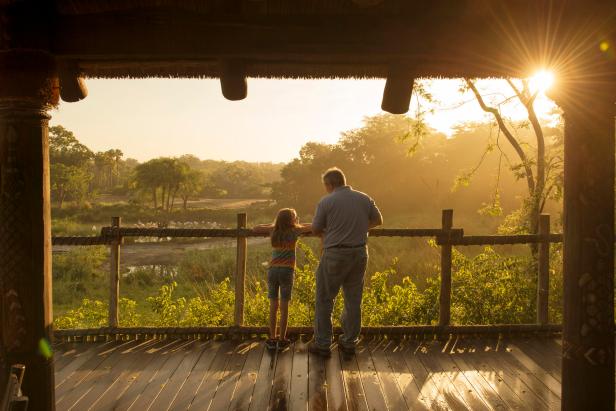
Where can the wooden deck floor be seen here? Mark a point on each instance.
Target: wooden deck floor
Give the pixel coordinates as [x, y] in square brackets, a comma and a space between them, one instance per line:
[241, 375]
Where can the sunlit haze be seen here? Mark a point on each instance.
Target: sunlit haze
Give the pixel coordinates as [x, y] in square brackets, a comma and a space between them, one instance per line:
[171, 117]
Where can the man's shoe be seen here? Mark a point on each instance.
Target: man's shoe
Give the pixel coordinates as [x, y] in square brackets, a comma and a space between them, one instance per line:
[283, 344]
[321, 351]
[271, 343]
[346, 350]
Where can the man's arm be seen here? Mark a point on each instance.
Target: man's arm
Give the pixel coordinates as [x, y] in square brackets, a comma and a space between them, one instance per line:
[375, 217]
[318, 222]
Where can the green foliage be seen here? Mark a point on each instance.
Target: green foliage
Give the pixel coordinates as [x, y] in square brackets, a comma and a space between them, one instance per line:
[169, 310]
[94, 314]
[487, 288]
[492, 289]
[69, 183]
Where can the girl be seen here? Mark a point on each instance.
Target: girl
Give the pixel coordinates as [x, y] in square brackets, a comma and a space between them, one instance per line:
[284, 233]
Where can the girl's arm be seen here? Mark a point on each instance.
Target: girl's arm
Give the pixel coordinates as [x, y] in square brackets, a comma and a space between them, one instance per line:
[263, 228]
[305, 228]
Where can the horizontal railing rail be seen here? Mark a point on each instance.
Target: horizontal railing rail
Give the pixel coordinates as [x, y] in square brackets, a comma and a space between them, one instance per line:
[446, 237]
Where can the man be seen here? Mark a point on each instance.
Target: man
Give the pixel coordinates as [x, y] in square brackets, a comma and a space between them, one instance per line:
[343, 218]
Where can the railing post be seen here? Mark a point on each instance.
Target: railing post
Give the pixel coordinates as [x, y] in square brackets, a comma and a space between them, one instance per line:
[543, 274]
[445, 294]
[114, 275]
[240, 270]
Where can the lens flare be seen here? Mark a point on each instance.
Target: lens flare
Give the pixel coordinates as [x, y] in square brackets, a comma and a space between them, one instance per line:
[604, 46]
[45, 348]
[542, 81]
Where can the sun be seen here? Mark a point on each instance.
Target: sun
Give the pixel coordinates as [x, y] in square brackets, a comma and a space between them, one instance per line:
[542, 81]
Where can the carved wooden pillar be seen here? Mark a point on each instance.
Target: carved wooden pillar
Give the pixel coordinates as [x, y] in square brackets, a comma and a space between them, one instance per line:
[588, 333]
[28, 87]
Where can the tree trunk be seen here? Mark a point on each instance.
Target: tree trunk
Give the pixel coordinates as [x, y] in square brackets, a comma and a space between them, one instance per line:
[154, 198]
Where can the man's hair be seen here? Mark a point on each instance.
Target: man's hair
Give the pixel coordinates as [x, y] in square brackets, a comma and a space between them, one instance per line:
[334, 177]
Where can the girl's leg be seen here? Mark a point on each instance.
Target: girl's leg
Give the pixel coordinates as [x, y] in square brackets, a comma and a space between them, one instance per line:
[284, 317]
[272, 317]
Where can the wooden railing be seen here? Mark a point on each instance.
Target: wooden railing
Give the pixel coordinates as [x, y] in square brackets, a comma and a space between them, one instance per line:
[446, 237]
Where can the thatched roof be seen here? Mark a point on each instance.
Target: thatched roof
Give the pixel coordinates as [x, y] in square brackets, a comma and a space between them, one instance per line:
[308, 38]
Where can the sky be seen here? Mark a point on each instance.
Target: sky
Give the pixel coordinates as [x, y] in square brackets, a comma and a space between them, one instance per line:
[170, 117]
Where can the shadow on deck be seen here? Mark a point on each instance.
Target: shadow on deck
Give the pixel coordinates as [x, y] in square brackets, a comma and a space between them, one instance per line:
[385, 374]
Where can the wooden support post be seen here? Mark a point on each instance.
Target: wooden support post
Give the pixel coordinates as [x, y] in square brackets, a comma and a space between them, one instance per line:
[28, 88]
[240, 271]
[445, 295]
[543, 271]
[588, 247]
[114, 276]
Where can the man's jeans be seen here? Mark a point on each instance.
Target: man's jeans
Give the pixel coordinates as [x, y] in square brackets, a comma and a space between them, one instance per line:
[340, 267]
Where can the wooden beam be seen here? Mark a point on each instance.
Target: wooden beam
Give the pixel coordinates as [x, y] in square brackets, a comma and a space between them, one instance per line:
[240, 271]
[25, 220]
[441, 38]
[588, 266]
[445, 293]
[72, 84]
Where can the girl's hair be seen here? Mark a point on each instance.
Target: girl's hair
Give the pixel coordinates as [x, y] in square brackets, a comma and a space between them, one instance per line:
[286, 221]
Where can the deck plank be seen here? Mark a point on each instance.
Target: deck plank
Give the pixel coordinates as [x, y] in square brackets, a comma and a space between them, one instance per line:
[209, 384]
[474, 358]
[160, 378]
[68, 353]
[247, 381]
[534, 384]
[90, 351]
[369, 378]
[263, 385]
[81, 381]
[142, 377]
[354, 390]
[317, 393]
[298, 400]
[279, 398]
[174, 384]
[226, 386]
[187, 392]
[519, 356]
[391, 390]
[447, 393]
[405, 378]
[110, 398]
[429, 391]
[336, 399]
[480, 385]
[498, 364]
[458, 380]
[461, 373]
[107, 377]
[549, 358]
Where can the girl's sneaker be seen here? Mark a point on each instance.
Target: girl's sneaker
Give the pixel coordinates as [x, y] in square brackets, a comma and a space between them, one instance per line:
[272, 343]
[283, 344]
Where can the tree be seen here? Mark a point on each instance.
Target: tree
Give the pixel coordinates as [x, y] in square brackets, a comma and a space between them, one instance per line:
[68, 183]
[190, 186]
[164, 173]
[540, 166]
[66, 149]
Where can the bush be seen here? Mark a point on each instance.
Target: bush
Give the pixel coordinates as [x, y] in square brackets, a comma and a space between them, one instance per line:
[94, 314]
[488, 288]
[492, 289]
